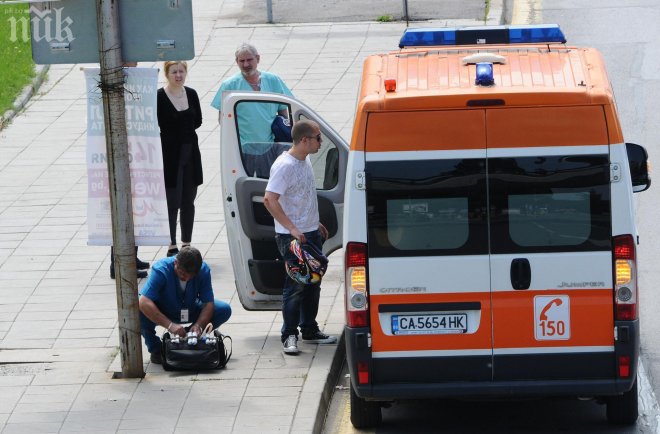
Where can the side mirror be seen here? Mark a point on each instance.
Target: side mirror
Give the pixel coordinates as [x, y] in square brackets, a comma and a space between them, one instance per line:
[639, 171]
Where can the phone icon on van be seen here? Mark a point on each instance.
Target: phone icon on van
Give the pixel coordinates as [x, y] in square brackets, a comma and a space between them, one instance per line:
[552, 318]
[555, 302]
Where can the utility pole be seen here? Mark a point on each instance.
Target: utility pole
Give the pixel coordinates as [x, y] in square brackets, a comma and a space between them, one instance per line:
[112, 89]
[405, 11]
[269, 11]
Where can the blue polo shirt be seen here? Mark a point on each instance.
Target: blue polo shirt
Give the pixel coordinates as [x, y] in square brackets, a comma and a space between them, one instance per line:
[162, 288]
[254, 119]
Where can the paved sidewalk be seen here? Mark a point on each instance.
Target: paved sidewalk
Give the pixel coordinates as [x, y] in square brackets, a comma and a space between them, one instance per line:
[58, 323]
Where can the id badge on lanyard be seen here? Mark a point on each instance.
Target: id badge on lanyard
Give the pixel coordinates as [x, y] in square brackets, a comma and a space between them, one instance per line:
[182, 294]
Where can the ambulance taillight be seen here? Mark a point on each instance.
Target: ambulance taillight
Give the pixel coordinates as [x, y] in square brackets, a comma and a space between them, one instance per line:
[363, 372]
[357, 304]
[625, 278]
[624, 366]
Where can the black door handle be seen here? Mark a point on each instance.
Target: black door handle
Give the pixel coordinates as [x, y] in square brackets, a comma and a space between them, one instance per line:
[521, 273]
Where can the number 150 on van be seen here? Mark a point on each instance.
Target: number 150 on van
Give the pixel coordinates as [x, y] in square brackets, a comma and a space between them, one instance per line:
[552, 315]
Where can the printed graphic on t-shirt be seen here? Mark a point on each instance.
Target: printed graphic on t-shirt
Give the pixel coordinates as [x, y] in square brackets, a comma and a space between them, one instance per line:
[293, 180]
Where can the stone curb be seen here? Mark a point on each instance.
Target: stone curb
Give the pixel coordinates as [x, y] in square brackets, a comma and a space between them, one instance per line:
[22, 99]
[329, 386]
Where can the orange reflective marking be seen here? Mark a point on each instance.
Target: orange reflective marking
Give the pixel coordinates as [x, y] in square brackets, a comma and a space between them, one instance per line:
[591, 319]
[546, 126]
[426, 130]
[382, 342]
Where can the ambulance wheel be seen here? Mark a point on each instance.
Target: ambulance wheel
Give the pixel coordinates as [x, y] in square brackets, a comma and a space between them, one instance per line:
[364, 414]
[622, 409]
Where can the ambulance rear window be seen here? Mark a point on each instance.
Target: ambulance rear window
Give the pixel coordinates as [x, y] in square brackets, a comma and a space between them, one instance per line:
[546, 204]
[431, 207]
[427, 223]
[539, 204]
[559, 219]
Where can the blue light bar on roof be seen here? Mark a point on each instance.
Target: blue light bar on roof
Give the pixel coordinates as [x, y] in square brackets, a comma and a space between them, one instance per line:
[518, 34]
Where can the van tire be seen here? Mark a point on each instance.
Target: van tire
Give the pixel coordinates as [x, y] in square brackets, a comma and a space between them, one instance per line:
[364, 414]
[623, 409]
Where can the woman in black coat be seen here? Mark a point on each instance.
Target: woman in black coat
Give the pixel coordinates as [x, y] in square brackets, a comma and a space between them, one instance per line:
[179, 115]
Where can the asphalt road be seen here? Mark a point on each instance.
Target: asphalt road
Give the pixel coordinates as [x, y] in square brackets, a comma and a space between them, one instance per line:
[438, 416]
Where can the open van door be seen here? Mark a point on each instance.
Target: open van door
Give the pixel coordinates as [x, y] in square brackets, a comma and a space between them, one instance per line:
[247, 150]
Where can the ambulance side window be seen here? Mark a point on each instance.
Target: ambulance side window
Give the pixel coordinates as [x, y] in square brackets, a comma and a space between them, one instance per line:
[550, 203]
[325, 163]
[259, 149]
[431, 207]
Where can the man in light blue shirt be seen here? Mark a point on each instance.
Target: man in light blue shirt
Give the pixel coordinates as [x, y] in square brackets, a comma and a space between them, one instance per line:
[254, 119]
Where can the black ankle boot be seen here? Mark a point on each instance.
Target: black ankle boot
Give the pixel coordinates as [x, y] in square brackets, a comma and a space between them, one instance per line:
[141, 265]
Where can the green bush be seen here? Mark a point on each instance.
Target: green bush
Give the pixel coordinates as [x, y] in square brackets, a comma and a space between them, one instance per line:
[15, 52]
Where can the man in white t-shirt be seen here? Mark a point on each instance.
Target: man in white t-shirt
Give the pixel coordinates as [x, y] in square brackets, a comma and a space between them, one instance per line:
[291, 199]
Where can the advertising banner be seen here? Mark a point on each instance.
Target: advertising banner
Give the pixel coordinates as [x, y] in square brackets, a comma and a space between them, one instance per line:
[145, 157]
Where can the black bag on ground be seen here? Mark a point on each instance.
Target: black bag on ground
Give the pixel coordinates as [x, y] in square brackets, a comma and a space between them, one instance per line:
[178, 355]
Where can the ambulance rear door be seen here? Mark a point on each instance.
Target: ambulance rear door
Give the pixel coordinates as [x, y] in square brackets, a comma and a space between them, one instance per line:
[550, 231]
[247, 150]
[428, 266]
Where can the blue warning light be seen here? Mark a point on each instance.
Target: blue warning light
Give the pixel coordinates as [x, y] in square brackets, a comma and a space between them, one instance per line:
[484, 74]
[478, 35]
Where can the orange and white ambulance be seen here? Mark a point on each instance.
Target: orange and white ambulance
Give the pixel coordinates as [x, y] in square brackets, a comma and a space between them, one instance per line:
[485, 205]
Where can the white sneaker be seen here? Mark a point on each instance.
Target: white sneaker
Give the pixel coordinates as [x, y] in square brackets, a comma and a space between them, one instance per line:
[290, 345]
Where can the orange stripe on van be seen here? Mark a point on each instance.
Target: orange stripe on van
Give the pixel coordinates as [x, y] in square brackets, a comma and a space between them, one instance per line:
[382, 342]
[546, 126]
[426, 130]
[591, 319]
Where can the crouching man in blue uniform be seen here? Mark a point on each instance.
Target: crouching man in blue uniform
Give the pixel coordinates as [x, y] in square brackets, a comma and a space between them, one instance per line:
[178, 292]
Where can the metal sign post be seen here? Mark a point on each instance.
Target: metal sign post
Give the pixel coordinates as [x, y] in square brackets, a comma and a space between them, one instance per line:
[112, 88]
[405, 11]
[269, 11]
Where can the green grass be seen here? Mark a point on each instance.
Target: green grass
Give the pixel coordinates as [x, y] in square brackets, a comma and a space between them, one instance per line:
[385, 18]
[15, 54]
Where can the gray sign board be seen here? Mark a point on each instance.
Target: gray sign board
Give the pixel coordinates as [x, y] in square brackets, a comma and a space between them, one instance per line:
[65, 31]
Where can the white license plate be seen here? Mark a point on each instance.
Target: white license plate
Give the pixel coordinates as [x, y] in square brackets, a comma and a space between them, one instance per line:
[429, 324]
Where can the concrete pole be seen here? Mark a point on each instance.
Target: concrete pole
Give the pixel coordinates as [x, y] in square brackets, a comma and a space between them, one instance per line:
[269, 11]
[405, 11]
[112, 88]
